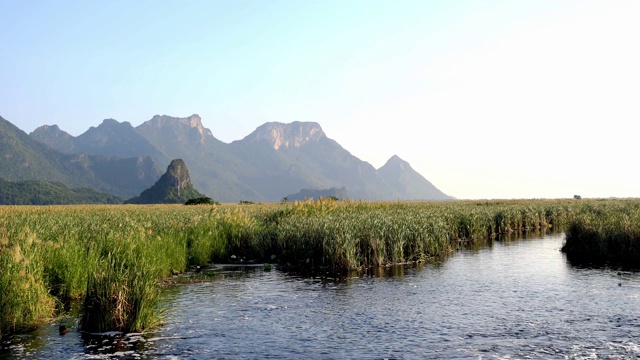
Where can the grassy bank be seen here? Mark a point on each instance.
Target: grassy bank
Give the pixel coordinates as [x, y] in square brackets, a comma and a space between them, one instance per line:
[113, 258]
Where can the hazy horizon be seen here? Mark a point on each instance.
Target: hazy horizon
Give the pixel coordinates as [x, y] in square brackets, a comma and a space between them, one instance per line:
[492, 99]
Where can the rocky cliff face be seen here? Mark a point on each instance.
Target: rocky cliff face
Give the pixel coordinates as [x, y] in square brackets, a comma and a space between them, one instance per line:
[295, 134]
[177, 176]
[189, 129]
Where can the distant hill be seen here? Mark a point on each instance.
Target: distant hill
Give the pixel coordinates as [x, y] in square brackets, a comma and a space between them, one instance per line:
[274, 161]
[304, 194]
[55, 138]
[23, 158]
[40, 192]
[408, 183]
[174, 187]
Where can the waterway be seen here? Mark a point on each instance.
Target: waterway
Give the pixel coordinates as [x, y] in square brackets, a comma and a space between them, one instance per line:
[512, 300]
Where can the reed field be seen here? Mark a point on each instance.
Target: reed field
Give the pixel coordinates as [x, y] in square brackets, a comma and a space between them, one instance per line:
[606, 234]
[113, 258]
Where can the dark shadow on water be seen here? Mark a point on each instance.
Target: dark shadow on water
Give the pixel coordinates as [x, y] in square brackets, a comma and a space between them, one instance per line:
[587, 263]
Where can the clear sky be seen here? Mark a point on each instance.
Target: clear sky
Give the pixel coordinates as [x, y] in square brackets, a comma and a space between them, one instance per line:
[486, 99]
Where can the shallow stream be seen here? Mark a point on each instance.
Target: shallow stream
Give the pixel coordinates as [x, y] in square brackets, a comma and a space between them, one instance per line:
[517, 299]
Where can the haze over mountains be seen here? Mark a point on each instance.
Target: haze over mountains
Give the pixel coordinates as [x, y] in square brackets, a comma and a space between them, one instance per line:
[23, 158]
[274, 161]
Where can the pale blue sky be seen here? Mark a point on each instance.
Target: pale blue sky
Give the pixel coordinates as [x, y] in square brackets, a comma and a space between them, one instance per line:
[486, 99]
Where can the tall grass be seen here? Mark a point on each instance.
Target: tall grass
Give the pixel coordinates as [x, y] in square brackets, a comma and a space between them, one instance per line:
[24, 297]
[111, 257]
[355, 235]
[122, 292]
[114, 258]
[608, 233]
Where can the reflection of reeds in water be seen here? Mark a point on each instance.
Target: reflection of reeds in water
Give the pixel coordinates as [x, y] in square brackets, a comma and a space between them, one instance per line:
[114, 258]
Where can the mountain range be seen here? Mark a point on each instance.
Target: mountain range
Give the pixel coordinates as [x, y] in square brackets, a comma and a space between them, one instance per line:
[23, 158]
[273, 162]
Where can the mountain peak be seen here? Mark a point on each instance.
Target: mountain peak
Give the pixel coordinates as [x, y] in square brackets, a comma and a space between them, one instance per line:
[294, 134]
[54, 137]
[192, 122]
[396, 162]
[407, 182]
[50, 128]
[178, 175]
[172, 187]
[113, 123]
[53, 130]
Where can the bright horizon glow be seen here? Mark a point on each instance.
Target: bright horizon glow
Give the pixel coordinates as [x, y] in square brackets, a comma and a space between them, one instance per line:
[491, 99]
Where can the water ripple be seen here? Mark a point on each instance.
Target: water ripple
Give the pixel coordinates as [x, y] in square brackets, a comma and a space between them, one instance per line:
[517, 300]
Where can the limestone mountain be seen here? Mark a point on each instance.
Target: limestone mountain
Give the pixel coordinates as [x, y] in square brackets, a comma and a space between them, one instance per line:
[186, 138]
[116, 139]
[274, 161]
[408, 183]
[299, 155]
[165, 130]
[293, 135]
[165, 138]
[173, 187]
[24, 158]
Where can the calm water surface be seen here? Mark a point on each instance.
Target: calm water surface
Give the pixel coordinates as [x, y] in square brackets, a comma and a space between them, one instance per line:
[519, 299]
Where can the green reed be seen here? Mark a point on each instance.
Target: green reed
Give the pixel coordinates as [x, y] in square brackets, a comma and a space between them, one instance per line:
[115, 258]
[25, 301]
[608, 232]
[112, 257]
[122, 290]
[355, 235]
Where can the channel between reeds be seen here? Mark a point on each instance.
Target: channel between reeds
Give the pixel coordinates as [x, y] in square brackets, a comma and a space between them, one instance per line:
[114, 258]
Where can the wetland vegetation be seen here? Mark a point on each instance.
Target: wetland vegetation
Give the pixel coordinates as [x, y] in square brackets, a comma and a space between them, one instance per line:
[113, 258]
[608, 234]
